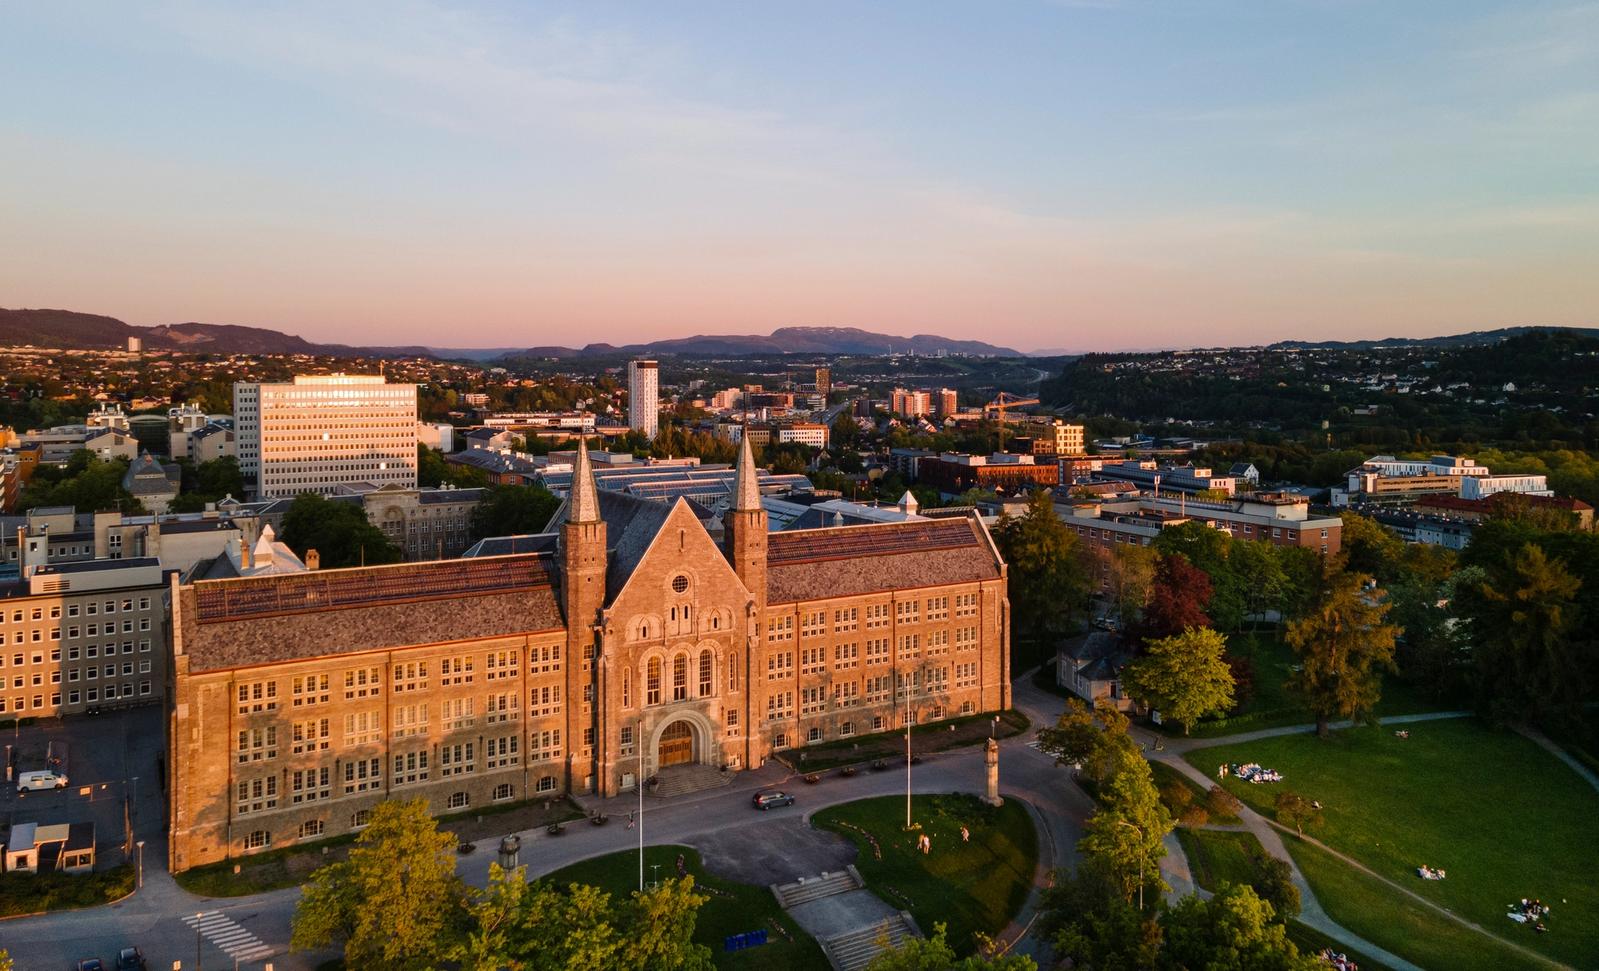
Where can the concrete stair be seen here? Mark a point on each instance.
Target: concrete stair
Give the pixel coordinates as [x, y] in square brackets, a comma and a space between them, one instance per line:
[815, 888]
[855, 949]
[682, 779]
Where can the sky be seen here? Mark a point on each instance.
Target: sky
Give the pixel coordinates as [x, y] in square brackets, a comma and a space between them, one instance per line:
[1078, 174]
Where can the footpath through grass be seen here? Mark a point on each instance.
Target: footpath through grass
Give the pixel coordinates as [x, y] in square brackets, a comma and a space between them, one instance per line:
[974, 887]
[1501, 816]
[1398, 924]
[1227, 856]
[733, 908]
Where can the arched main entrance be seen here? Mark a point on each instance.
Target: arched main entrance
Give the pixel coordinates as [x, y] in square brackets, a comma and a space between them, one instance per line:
[676, 746]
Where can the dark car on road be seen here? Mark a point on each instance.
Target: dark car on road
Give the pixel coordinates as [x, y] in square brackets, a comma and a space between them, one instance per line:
[766, 800]
[129, 959]
[91, 964]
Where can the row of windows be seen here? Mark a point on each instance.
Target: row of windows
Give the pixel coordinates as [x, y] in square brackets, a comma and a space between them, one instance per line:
[312, 828]
[109, 692]
[74, 653]
[39, 634]
[367, 682]
[90, 608]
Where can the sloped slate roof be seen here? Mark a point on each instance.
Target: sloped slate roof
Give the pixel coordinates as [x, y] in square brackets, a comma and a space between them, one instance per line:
[630, 526]
[854, 560]
[263, 620]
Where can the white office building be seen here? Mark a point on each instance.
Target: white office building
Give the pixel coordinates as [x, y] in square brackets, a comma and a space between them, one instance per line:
[324, 431]
[1483, 486]
[644, 396]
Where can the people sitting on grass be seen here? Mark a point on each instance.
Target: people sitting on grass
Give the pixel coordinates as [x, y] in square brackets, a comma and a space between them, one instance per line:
[1337, 960]
[1530, 912]
[1401, 733]
[1429, 873]
[1251, 772]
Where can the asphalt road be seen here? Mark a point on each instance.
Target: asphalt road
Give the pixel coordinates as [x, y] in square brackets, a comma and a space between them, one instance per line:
[256, 928]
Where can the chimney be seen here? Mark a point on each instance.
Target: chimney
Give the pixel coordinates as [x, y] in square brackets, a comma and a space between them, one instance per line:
[246, 555]
[313, 560]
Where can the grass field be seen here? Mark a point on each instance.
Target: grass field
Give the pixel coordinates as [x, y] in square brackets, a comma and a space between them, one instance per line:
[1504, 818]
[1220, 856]
[32, 893]
[974, 887]
[735, 909]
[1400, 925]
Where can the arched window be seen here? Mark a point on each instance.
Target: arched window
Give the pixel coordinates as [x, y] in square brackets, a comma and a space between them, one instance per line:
[680, 678]
[652, 693]
[627, 687]
[707, 666]
[732, 672]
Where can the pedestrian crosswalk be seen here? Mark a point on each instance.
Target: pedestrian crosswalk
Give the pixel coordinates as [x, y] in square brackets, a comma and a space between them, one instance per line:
[229, 937]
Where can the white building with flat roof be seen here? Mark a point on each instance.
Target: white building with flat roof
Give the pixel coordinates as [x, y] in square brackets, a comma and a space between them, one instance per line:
[644, 396]
[1483, 486]
[325, 430]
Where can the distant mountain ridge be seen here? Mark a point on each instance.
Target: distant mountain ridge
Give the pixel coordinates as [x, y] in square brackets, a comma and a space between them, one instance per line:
[1468, 339]
[80, 331]
[789, 340]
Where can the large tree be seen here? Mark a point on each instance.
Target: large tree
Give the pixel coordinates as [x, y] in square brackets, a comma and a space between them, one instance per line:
[1266, 582]
[339, 532]
[1181, 594]
[1523, 618]
[1089, 738]
[1184, 676]
[1369, 547]
[394, 901]
[1048, 583]
[1126, 834]
[1343, 644]
[1235, 929]
[1211, 551]
[1132, 582]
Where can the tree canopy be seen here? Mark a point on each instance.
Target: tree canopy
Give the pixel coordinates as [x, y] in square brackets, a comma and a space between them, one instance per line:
[1184, 676]
[339, 532]
[1048, 583]
[1343, 644]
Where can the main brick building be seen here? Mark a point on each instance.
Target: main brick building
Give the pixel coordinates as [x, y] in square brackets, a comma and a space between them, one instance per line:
[628, 640]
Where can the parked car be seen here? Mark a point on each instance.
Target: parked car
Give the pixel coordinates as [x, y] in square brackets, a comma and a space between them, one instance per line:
[42, 779]
[766, 800]
[129, 959]
[91, 964]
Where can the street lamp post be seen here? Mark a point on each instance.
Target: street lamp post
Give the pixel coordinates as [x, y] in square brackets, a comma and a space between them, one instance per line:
[197, 941]
[638, 784]
[907, 753]
[140, 845]
[1140, 833]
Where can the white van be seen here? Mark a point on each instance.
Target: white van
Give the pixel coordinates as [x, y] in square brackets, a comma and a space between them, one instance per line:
[29, 781]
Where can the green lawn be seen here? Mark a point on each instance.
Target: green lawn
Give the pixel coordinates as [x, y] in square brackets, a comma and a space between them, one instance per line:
[975, 887]
[733, 908]
[1220, 856]
[1398, 924]
[32, 893]
[1502, 816]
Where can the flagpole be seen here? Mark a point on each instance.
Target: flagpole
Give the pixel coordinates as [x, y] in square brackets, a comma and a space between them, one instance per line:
[638, 783]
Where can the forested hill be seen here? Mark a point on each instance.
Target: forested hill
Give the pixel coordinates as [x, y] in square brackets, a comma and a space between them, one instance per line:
[1538, 387]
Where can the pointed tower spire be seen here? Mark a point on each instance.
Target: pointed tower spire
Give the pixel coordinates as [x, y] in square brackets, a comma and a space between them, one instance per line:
[746, 485]
[585, 498]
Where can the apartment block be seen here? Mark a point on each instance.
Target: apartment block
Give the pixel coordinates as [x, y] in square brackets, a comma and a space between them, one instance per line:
[323, 431]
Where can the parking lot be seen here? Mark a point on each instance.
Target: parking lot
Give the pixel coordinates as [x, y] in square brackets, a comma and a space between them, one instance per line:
[113, 767]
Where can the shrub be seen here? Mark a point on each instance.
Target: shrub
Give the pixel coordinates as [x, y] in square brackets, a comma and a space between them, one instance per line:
[1222, 802]
[1193, 817]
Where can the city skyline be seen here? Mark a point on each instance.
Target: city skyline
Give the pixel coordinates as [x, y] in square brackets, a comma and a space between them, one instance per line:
[1086, 175]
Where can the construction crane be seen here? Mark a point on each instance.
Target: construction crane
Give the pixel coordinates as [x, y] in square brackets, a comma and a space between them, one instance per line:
[997, 407]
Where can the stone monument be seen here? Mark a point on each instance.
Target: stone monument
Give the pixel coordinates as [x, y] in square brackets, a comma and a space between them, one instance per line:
[991, 758]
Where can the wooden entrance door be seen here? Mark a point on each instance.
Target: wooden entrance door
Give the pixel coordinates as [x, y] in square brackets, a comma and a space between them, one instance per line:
[677, 745]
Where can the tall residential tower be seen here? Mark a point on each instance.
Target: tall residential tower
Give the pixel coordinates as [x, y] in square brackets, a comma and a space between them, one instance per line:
[644, 396]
